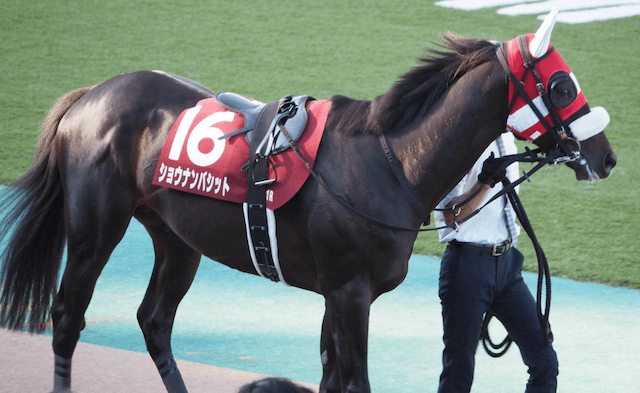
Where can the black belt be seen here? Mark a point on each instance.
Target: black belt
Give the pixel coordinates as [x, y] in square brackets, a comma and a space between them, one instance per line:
[495, 250]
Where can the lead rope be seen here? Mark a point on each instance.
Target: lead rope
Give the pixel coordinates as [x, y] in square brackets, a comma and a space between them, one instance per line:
[543, 266]
[510, 225]
[543, 276]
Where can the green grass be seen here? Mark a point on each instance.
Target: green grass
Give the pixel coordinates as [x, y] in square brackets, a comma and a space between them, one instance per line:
[357, 48]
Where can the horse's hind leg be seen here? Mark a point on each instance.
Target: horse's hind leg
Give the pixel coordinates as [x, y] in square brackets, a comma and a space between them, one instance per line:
[95, 224]
[175, 267]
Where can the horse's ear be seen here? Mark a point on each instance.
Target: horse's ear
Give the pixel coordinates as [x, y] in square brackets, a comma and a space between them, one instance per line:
[540, 43]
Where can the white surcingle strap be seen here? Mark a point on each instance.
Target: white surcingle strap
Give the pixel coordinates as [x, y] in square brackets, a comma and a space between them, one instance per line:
[272, 249]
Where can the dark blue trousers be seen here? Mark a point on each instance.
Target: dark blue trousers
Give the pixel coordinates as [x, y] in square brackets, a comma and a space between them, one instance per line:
[471, 284]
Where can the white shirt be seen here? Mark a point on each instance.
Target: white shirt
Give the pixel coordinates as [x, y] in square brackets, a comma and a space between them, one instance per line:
[488, 226]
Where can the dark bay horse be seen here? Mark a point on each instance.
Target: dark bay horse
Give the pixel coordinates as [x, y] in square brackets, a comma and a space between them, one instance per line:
[94, 171]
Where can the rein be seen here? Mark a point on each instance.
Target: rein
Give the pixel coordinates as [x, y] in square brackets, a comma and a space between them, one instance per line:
[562, 153]
[552, 157]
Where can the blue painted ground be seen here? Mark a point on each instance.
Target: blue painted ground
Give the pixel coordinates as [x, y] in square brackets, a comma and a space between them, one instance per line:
[240, 321]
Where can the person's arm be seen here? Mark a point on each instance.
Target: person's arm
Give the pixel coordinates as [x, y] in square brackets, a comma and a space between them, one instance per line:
[458, 212]
[491, 174]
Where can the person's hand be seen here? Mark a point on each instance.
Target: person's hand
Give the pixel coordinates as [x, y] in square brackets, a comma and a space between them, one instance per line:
[491, 171]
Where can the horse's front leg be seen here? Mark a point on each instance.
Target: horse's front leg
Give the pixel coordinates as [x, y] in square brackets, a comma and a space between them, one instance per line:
[330, 374]
[347, 321]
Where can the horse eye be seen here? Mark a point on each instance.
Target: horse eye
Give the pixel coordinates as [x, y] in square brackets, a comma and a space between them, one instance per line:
[562, 90]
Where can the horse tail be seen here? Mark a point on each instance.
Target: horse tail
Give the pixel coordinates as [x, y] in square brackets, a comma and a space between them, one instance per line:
[32, 223]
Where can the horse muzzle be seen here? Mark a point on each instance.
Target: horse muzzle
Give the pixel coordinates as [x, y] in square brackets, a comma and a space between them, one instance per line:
[589, 166]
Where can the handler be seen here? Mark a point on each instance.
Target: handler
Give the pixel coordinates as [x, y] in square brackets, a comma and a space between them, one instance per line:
[480, 271]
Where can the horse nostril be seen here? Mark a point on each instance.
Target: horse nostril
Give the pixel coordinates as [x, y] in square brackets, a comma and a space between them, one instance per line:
[610, 160]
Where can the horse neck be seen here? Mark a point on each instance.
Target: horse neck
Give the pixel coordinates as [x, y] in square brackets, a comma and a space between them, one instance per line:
[437, 150]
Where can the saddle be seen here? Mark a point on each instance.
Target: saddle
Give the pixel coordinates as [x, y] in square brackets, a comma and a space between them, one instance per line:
[253, 111]
[270, 129]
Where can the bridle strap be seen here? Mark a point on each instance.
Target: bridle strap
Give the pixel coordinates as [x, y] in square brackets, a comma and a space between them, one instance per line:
[559, 133]
[530, 64]
[519, 85]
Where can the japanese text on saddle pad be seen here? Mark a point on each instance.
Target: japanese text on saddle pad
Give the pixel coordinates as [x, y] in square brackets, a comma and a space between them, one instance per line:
[200, 181]
[195, 160]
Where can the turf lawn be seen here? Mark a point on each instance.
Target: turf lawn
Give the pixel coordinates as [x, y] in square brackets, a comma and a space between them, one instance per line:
[269, 49]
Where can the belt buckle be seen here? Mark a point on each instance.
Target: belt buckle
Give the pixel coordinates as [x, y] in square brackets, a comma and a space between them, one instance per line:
[499, 249]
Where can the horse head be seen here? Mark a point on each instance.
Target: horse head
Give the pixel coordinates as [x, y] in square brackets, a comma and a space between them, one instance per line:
[548, 108]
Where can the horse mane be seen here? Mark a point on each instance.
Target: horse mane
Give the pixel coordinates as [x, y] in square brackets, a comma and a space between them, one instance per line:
[416, 91]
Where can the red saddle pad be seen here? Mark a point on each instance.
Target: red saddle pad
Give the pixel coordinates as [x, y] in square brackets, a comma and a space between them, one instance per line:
[194, 160]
